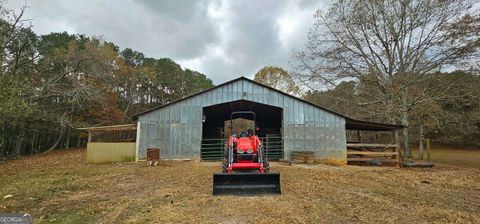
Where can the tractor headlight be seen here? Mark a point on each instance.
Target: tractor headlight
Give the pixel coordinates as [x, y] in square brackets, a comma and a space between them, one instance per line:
[250, 151]
[241, 151]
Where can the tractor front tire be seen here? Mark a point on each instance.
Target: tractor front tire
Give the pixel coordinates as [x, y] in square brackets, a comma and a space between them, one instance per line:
[225, 161]
[266, 165]
[224, 167]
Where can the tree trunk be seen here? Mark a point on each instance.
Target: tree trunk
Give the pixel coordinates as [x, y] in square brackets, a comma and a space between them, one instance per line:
[33, 142]
[3, 143]
[59, 139]
[125, 112]
[18, 146]
[41, 141]
[420, 146]
[67, 144]
[404, 118]
[79, 139]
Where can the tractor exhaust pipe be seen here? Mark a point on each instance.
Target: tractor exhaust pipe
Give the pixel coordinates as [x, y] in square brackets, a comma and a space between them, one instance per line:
[246, 183]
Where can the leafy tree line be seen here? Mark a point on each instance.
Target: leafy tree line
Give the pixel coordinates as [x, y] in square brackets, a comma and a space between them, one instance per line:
[51, 84]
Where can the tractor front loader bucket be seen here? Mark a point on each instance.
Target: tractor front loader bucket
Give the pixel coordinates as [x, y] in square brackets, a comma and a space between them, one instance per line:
[246, 183]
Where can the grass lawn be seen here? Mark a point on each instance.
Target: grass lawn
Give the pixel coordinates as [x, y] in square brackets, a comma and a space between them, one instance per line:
[467, 157]
[61, 188]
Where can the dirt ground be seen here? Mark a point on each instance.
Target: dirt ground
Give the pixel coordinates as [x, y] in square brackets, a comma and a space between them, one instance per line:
[61, 188]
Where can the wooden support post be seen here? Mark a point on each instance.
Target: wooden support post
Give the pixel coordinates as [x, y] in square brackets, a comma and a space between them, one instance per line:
[137, 141]
[89, 136]
[398, 149]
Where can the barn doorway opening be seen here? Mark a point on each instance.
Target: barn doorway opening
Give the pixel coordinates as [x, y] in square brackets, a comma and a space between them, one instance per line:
[216, 123]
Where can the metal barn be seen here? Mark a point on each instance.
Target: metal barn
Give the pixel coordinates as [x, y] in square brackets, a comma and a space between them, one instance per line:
[180, 128]
[194, 127]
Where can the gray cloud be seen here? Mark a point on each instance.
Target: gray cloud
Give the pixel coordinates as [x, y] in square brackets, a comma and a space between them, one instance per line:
[222, 39]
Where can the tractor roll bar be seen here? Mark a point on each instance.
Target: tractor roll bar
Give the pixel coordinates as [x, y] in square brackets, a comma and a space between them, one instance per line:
[244, 112]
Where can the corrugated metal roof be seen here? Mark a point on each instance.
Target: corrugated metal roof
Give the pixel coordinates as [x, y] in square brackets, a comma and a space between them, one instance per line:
[121, 127]
[235, 80]
[352, 124]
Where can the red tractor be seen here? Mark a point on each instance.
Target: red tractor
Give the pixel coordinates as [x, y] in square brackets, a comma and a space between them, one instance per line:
[245, 170]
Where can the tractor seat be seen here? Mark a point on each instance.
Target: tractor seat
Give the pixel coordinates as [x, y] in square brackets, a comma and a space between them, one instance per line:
[243, 134]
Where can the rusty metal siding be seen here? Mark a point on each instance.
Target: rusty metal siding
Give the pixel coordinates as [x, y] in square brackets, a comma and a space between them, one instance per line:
[177, 128]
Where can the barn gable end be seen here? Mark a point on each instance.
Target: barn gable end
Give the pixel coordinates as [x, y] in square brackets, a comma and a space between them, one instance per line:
[176, 128]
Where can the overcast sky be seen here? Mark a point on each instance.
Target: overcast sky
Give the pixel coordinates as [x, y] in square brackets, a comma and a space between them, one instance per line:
[222, 39]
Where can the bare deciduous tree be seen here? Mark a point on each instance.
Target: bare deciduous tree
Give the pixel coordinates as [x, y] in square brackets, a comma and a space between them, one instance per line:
[390, 47]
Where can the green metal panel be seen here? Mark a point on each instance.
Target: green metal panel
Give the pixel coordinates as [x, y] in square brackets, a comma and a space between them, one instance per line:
[213, 149]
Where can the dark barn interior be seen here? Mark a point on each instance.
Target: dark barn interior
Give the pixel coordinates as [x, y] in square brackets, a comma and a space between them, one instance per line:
[216, 124]
[269, 118]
